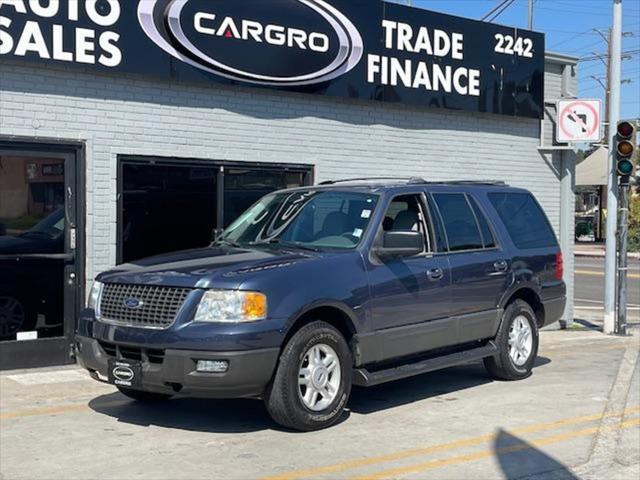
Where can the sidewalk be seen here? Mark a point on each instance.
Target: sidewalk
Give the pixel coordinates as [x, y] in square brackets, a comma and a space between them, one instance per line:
[595, 250]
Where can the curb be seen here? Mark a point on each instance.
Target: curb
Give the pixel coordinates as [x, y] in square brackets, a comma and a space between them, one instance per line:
[632, 256]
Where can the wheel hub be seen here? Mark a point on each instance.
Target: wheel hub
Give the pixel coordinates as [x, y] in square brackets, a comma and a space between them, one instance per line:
[320, 377]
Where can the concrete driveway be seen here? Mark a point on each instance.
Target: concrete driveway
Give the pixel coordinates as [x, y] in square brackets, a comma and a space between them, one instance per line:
[578, 416]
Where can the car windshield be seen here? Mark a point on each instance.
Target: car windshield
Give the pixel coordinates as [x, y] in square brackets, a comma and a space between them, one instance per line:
[311, 219]
[51, 226]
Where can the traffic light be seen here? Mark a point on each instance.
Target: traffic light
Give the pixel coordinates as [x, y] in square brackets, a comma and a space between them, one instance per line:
[625, 144]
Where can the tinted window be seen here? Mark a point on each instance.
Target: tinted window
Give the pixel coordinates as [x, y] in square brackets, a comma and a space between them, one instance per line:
[438, 229]
[487, 236]
[524, 219]
[459, 222]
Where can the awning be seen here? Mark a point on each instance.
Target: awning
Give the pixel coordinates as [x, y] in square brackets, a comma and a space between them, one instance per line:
[593, 169]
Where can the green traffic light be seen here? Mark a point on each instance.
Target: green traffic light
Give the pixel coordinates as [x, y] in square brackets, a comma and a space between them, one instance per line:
[625, 167]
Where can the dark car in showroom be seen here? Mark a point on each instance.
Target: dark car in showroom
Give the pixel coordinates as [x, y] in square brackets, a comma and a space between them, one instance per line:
[31, 281]
[315, 289]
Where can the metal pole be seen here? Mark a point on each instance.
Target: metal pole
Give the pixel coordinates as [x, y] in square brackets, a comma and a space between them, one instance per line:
[612, 186]
[623, 236]
[530, 14]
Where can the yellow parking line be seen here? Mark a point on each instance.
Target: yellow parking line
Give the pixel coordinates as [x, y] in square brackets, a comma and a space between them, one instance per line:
[467, 442]
[32, 412]
[421, 467]
[597, 273]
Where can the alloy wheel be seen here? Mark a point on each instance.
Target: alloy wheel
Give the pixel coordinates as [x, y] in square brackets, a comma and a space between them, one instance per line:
[319, 377]
[12, 316]
[520, 341]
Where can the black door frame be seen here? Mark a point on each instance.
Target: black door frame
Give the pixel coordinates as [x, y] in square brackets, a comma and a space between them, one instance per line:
[59, 350]
[307, 169]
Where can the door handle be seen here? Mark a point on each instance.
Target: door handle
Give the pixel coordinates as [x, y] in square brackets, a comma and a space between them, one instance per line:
[501, 266]
[435, 274]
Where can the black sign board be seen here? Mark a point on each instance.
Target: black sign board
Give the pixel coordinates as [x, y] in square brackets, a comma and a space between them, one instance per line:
[365, 49]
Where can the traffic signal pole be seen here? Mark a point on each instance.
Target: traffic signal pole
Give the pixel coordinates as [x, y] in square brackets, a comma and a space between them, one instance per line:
[612, 183]
[621, 324]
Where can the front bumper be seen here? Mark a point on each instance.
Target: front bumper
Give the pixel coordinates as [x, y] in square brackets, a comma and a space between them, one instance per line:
[174, 371]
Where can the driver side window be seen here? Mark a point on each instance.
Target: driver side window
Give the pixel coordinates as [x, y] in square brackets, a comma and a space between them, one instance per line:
[406, 213]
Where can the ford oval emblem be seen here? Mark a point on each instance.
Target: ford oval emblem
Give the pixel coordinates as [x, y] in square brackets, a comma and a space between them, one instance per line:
[291, 43]
[133, 303]
[124, 374]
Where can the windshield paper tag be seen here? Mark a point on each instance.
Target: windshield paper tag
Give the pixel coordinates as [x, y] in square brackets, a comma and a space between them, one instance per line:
[366, 213]
[357, 232]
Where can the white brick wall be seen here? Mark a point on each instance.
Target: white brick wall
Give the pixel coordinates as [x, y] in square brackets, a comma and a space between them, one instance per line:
[341, 138]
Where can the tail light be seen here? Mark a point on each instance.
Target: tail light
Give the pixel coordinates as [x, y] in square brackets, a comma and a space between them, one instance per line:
[559, 273]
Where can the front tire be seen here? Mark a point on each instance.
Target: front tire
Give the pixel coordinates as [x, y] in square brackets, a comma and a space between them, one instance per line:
[517, 341]
[312, 383]
[144, 397]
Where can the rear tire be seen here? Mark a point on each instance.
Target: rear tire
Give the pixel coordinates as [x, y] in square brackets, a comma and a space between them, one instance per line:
[312, 383]
[517, 341]
[145, 397]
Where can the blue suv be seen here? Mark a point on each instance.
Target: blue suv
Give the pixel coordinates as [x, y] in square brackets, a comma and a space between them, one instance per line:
[315, 289]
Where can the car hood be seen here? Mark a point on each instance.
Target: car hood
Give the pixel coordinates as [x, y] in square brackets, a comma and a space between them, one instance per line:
[10, 245]
[215, 267]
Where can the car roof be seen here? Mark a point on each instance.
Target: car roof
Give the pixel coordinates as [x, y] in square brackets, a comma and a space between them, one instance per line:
[398, 185]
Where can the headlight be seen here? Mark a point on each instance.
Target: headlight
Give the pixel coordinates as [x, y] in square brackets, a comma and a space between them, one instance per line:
[229, 306]
[94, 297]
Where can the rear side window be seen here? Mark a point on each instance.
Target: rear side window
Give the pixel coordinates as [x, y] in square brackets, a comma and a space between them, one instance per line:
[459, 222]
[524, 219]
[487, 236]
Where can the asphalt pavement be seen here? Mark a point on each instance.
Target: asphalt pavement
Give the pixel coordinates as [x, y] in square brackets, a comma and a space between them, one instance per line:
[577, 416]
[589, 290]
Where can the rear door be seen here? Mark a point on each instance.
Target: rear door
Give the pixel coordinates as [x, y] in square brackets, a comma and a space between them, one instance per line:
[480, 268]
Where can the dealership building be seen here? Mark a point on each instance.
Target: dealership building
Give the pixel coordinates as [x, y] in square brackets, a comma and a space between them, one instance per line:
[121, 136]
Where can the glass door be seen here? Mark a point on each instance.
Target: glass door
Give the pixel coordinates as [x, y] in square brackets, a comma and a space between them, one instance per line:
[38, 280]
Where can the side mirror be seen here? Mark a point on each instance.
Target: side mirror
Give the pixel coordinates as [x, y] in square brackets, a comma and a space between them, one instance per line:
[401, 244]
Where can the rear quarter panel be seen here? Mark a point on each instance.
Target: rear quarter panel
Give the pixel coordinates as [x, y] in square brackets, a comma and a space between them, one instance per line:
[533, 268]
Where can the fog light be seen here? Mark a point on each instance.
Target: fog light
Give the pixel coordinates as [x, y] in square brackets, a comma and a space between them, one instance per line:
[212, 366]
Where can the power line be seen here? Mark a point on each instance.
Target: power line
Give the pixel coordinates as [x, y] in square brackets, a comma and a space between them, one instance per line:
[497, 14]
[497, 10]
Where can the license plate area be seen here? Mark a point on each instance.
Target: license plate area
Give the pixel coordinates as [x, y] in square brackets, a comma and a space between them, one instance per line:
[125, 373]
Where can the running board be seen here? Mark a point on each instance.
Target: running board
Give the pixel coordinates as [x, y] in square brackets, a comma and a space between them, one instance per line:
[364, 378]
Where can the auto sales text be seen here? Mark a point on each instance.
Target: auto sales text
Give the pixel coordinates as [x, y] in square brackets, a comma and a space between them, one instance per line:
[49, 39]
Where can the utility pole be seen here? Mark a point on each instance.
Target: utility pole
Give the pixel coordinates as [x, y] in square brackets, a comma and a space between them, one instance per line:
[615, 54]
[530, 14]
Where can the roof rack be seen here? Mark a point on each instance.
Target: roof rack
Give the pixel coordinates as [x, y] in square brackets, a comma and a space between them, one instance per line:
[409, 180]
[420, 181]
[497, 183]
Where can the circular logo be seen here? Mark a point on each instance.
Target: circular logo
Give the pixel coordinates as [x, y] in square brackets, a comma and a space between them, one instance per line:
[124, 374]
[133, 303]
[291, 43]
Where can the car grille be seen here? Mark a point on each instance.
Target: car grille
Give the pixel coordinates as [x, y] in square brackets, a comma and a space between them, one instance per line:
[158, 306]
[151, 355]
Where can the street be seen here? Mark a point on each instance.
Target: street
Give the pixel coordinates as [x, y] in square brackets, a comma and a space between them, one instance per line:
[577, 416]
[589, 286]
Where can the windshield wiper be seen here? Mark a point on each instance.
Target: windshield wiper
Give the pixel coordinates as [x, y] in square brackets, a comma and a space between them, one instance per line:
[277, 241]
[226, 241]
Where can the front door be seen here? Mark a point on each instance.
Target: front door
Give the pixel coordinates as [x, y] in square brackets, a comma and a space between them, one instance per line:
[410, 296]
[38, 239]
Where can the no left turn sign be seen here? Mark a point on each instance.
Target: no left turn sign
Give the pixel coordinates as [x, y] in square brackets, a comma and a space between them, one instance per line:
[578, 121]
